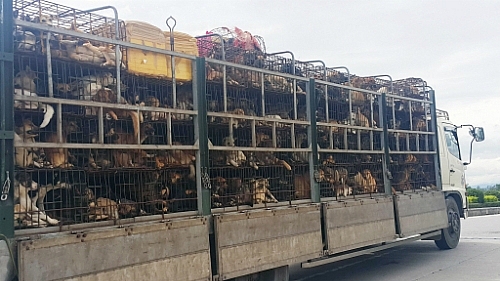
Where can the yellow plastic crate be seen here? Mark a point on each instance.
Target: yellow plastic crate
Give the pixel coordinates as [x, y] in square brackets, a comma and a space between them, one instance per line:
[155, 64]
[144, 62]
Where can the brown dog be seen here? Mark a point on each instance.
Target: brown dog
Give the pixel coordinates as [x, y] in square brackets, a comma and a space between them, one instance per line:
[101, 208]
[257, 190]
[107, 95]
[59, 157]
[302, 186]
[130, 158]
[265, 157]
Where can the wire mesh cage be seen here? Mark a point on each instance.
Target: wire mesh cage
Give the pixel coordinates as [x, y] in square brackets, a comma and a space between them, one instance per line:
[348, 175]
[100, 145]
[237, 45]
[63, 46]
[253, 131]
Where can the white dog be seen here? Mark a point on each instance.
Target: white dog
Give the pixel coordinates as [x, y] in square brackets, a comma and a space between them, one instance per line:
[25, 85]
[26, 212]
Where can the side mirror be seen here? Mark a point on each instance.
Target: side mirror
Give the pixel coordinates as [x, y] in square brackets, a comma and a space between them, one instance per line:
[478, 134]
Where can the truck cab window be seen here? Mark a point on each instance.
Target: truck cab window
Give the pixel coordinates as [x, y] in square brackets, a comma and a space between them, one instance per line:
[452, 142]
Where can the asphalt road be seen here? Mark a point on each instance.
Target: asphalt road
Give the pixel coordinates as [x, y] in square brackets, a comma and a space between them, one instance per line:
[476, 258]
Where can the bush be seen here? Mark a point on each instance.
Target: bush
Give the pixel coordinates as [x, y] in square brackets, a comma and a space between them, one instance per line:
[472, 199]
[477, 193]
[490, 198]
[492, 192]
[484, 205]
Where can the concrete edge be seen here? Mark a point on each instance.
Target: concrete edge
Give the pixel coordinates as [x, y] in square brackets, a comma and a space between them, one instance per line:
[484, 211]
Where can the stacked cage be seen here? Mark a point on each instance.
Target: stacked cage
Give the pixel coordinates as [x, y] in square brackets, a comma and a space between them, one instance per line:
[258, 132]
[349, 136]
[95, 142]
[411, 135]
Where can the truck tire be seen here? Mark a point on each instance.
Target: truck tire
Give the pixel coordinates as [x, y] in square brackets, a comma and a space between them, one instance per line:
[451, 235]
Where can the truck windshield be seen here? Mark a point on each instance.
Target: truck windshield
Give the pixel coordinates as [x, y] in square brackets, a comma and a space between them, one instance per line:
[452, 141]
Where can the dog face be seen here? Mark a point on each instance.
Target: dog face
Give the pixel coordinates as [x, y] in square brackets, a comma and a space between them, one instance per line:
[104, 95]
[107, 79]
[229, 141]
[367, 174]
[28, 129]
[46, 19]
[24, 180]
[147, 129]
[70, 127]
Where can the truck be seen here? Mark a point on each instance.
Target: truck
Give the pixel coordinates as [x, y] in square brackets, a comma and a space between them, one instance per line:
[132, 152]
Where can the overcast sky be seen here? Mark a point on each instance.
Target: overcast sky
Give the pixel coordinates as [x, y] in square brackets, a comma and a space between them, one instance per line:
[453, 45]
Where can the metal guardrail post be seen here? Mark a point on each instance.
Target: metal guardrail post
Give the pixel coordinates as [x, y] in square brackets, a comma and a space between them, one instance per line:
[202, 161]
[6, 119]
[313, 140]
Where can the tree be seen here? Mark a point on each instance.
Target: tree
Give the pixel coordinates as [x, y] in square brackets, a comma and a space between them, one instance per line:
[476, 192]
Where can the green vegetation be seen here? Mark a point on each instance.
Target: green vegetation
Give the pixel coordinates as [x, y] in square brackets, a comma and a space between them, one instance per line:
[490, 198]
[481, 198]
[472, 199]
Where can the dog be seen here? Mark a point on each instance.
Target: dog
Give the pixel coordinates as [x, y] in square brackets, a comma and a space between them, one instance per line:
[104, 53]
[26, 156]
[184, 102]
[338, 178]
[25, 39]
[179, 157]
[24, 83]
[101, 208]
[128, 208]
[419, 124]
[108, 96]
[26, 212]
[130, 158]
[219, 191]
[86, 87]
[153, 115]
[302, 186]
[365, 182]
[401, 180]
[234, 122]
[229, 157]
[39, 198]
[256, 191]
[359, 119]
[74, 49]
[60, 157]
[265, 157]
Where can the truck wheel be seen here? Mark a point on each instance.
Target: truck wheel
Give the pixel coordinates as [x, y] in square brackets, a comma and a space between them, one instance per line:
[451, 235]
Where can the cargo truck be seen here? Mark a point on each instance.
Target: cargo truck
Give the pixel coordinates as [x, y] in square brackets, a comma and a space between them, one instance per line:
[133, 152]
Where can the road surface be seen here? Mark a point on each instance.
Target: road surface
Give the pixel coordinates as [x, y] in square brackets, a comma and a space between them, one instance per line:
[476, 258]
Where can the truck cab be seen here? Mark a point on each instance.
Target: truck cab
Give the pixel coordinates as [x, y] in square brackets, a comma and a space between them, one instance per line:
[452, 164]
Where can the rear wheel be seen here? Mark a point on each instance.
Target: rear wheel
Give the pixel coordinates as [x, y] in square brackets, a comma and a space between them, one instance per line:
[451, 235]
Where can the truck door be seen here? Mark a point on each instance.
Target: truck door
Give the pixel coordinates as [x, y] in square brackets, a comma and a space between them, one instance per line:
[455, 166]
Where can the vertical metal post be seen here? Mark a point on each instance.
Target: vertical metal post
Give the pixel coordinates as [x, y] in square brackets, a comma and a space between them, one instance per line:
[49, 65]
[201, 134]
[172, 59]
[385, 146]
[118, 57]
[385, 164]
[435, 140]
[224, 67]
[313, 140]
[6, 119]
